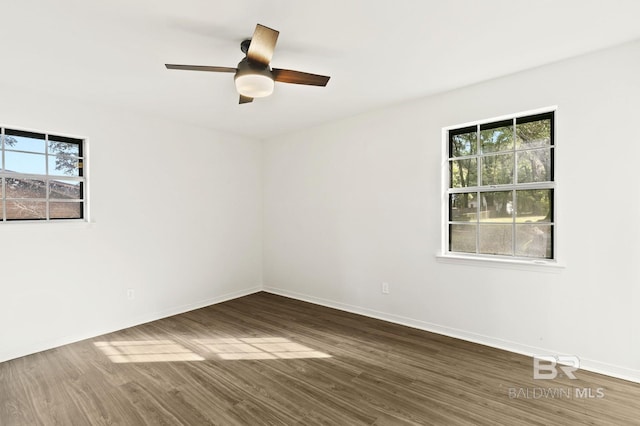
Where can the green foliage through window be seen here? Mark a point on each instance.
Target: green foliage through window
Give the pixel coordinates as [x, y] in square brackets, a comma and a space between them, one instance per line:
[501, 188]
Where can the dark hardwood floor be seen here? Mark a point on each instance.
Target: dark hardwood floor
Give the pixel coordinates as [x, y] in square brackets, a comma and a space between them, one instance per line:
[269, 360]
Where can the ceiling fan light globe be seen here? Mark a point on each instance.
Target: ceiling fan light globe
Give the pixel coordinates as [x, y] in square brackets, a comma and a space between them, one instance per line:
[254, 85]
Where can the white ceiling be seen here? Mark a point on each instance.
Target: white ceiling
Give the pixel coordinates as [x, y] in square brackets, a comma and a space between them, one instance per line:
[376, 52]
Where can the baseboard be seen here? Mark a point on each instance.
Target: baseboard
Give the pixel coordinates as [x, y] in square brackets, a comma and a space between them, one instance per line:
[519, 348]
[197, 305]
[51, 344]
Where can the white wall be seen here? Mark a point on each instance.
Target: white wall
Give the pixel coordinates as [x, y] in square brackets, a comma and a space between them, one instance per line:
[354, 203]
[177, 218]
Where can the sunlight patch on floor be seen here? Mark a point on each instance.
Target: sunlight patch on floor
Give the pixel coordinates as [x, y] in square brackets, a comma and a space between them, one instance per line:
[249, 348]
[258, 348]
[146, 351]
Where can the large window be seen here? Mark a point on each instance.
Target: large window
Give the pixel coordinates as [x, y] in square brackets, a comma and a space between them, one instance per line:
[41, 176]
[501, 188]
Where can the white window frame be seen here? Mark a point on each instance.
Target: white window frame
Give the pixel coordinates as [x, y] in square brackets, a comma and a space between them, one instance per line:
[4, 174]
[480, 259]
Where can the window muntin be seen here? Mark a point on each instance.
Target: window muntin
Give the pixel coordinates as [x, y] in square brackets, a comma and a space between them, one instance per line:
[41, 176]
[501, 188]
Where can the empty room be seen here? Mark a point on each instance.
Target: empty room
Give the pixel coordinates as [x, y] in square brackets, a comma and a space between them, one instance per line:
[332, 213]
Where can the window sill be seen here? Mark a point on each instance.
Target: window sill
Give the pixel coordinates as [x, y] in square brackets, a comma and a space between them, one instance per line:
[501, 263]
[74, 223]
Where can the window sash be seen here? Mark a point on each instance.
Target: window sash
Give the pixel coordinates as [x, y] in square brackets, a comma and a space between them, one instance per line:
[41, 204]
[458, 149]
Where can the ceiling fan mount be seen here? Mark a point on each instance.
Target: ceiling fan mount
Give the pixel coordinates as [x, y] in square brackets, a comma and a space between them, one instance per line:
[244, 46]
[254, 78]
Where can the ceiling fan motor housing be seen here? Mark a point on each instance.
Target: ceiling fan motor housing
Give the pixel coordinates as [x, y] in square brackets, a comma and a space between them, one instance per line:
[254, 79]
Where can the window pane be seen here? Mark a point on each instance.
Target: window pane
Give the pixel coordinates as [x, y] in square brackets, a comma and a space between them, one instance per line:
[534, 240]
[58, 210]
[463, 144]
[26, 188]
[463, 207]
[497, 169]
[61, 165]
[497, 138]
[463, 173]
[499, 156]
[68, 189]
[496, 239]
[533, 134]
[21, 162]
[22, 143]
[64, 148]
[22, 210]
[496, 207]
[534, 166]
[462, 238]
[534, 205]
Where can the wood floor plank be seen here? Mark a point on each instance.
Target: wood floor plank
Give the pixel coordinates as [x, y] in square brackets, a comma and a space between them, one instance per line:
[270, 360]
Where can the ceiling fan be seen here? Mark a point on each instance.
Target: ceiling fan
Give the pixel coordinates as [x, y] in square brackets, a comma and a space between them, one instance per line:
[253, 76]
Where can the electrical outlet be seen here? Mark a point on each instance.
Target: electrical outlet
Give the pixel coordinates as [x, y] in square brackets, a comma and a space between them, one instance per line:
[385, 288]
[131, 294]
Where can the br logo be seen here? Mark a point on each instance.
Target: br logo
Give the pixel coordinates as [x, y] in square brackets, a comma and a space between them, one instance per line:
[546, 367]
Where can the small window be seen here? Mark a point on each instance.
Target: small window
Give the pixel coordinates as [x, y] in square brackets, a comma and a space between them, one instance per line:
[500, 188]
[41, 176]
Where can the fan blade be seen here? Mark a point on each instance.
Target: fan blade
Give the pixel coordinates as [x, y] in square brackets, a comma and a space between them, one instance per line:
[262, 45]
[298, 77]
[245, 99]
[199, 68]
